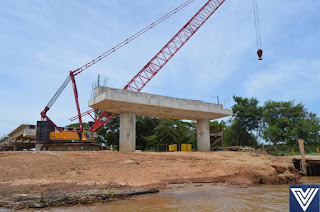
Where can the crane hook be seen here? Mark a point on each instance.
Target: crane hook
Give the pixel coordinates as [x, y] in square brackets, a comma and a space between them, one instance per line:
[260, 52]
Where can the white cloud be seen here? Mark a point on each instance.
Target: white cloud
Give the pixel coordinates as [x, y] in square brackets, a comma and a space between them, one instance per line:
[295, 79]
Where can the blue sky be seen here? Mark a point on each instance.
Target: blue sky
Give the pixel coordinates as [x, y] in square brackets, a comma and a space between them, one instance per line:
[41, 41]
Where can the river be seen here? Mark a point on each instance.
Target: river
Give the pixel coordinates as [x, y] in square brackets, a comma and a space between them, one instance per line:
[204, 197]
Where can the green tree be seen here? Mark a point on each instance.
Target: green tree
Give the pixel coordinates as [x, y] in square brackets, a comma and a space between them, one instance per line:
[191, 134]
[84, 124]
[216, 126]
[285, 123]
[245, 121]
[144, 128]
[109, 132]
[247, 113]
[169, 131]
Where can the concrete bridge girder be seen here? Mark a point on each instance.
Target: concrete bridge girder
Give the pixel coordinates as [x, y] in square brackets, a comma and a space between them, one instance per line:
[129, 104]
[23, 137]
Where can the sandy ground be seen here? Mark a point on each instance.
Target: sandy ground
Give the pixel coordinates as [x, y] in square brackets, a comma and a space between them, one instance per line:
[141, 169]
[26, 173]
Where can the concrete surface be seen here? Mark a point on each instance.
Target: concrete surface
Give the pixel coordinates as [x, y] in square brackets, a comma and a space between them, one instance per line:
[127, 137]
[129, 104]
[23, 137]
[118, 101]
[203, 135]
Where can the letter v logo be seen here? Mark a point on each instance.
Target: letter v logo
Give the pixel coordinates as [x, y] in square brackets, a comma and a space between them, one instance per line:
[305, 196]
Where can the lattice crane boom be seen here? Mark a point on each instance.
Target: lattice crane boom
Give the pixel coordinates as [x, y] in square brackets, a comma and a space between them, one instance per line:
[140, 80]
[72, 74]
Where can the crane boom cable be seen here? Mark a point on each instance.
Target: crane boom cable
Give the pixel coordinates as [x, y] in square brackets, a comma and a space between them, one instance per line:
[133, 37]
[166, 53]
[140, 80]
[115, 48]
[172, 47]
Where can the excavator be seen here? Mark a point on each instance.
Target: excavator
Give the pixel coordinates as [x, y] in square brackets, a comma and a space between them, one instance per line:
[51, 137]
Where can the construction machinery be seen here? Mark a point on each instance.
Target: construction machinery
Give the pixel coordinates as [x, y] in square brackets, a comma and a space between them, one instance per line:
[53, 137]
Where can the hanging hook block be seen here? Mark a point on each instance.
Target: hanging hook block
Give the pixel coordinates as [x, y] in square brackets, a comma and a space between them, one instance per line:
[260, 52]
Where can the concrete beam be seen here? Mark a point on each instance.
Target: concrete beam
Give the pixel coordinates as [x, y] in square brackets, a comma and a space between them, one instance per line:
[29, 133]
[20, 137]
[127, 132]
[118, 101]
[203, 135]
[129, 104]
[26, 141]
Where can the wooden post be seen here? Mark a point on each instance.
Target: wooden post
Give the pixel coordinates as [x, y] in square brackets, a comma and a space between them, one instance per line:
[292, 151]
[303, 158]
[222, 137]
[318, 151]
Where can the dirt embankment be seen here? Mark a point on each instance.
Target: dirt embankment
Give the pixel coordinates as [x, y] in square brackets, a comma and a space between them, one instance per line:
[38, 179]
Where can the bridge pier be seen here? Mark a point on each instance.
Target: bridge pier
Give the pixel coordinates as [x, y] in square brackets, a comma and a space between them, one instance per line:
[127, 137]
[203, 135]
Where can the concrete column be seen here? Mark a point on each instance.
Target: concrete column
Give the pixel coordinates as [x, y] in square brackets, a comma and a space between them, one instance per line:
[15, 147]
[203, 135]
[38, 147]
[127, 132]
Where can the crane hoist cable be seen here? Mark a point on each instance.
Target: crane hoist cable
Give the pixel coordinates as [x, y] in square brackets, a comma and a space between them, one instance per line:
[257, 27]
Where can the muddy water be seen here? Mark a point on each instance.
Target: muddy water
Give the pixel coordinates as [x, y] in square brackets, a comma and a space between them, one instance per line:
[205, 197]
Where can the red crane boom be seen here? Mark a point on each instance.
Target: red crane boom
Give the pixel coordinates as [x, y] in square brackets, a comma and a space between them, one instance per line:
[71, 76]
[140, 80]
